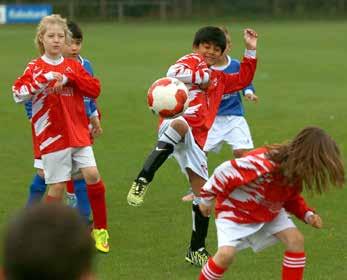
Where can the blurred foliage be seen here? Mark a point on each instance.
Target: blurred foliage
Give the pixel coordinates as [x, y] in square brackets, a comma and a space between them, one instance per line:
[179, 9]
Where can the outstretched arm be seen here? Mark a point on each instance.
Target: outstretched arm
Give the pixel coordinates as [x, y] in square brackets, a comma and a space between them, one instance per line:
[240, 80]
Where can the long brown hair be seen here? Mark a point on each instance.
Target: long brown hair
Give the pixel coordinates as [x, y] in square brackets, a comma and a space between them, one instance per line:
[312, 158]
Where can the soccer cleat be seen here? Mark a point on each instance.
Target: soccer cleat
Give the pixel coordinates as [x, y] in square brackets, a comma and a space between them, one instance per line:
[71, 200]
[198, 257]
[137, 192]
[101, 240]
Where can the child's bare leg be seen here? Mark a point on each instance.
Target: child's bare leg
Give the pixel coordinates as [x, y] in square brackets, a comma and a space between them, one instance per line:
[294, 257]
[224, 256]
[292, 238]
[217, 265]
[91, 175]
[55, 192]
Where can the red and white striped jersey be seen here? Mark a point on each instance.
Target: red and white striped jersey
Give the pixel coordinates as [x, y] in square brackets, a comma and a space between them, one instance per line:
[203, 106]
[252, 190]
[58, 114]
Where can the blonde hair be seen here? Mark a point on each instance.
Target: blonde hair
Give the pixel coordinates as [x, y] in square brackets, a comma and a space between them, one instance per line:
[227, 36]
[42, 28]
[312, 158]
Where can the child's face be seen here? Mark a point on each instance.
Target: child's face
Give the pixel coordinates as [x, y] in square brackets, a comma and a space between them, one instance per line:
[53, 40]
[73, 49]
[209, 51]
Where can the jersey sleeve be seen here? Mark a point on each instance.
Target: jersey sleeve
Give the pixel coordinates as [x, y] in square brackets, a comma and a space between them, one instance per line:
[190, 69]
[31, 82]
[88, 66]
[90, 107]
[232, 174]
[248, 88]
[242, 79]
[88, 86]
[297, 206]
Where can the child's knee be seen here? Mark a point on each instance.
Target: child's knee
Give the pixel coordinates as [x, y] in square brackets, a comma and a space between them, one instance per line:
[295, 242]
[180, 126]
[91, 176]
[225, 256]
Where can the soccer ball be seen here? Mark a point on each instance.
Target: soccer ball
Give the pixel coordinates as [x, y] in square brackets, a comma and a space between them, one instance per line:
[168, 97]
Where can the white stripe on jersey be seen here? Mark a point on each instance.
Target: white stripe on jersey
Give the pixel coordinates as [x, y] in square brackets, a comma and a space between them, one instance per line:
[247, 164]
[226, 214]
[226, 171]
[49, 141]
[37, 104]
[42, 123]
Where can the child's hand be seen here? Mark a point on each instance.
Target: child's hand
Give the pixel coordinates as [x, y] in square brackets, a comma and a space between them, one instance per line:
[59, 80]
[205, 209]
[250, 37]
[251, 97]
[57, 76]
[96, 127]
[96, 131]
[315, 221]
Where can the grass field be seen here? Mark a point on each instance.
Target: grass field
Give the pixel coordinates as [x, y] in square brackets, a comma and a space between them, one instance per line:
[301, 80]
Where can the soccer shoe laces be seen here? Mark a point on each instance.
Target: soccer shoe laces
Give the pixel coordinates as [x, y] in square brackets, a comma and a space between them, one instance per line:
[139, 186]
[199, 257]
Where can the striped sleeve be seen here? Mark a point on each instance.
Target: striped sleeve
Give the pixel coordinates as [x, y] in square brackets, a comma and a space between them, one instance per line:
[32, 81]
[190, 69]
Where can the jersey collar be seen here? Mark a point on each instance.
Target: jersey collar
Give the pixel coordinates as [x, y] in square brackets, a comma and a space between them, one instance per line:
[48, 60]
[223, 67]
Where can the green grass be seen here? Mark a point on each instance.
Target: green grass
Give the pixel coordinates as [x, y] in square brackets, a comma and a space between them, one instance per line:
[300, 81]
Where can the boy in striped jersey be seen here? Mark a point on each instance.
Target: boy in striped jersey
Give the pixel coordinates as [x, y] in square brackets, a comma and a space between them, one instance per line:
[185, 136]
[254, 192]
[230, 125]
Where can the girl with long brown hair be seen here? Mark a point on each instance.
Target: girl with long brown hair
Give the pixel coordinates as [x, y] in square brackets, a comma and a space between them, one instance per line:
[254, 193]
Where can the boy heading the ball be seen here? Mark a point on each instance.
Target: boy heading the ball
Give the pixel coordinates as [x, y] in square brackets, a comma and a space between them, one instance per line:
[184, 137]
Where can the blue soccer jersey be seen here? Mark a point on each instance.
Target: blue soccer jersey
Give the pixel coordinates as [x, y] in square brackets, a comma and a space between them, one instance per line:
[89, 104]
[231, 104]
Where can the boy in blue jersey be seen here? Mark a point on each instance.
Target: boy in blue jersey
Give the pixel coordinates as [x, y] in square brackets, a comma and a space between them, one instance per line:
[76, 190]
[230, 125]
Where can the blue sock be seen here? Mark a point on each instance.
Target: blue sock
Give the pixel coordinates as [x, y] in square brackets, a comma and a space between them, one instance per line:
[37, 190]
[82, 198]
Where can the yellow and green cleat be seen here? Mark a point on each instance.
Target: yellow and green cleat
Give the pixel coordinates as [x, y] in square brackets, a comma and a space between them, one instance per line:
[199, 257]
[137, 192]
[101, 240]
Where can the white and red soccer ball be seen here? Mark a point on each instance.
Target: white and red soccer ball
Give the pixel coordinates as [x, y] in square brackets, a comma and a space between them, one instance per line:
[168, 97]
